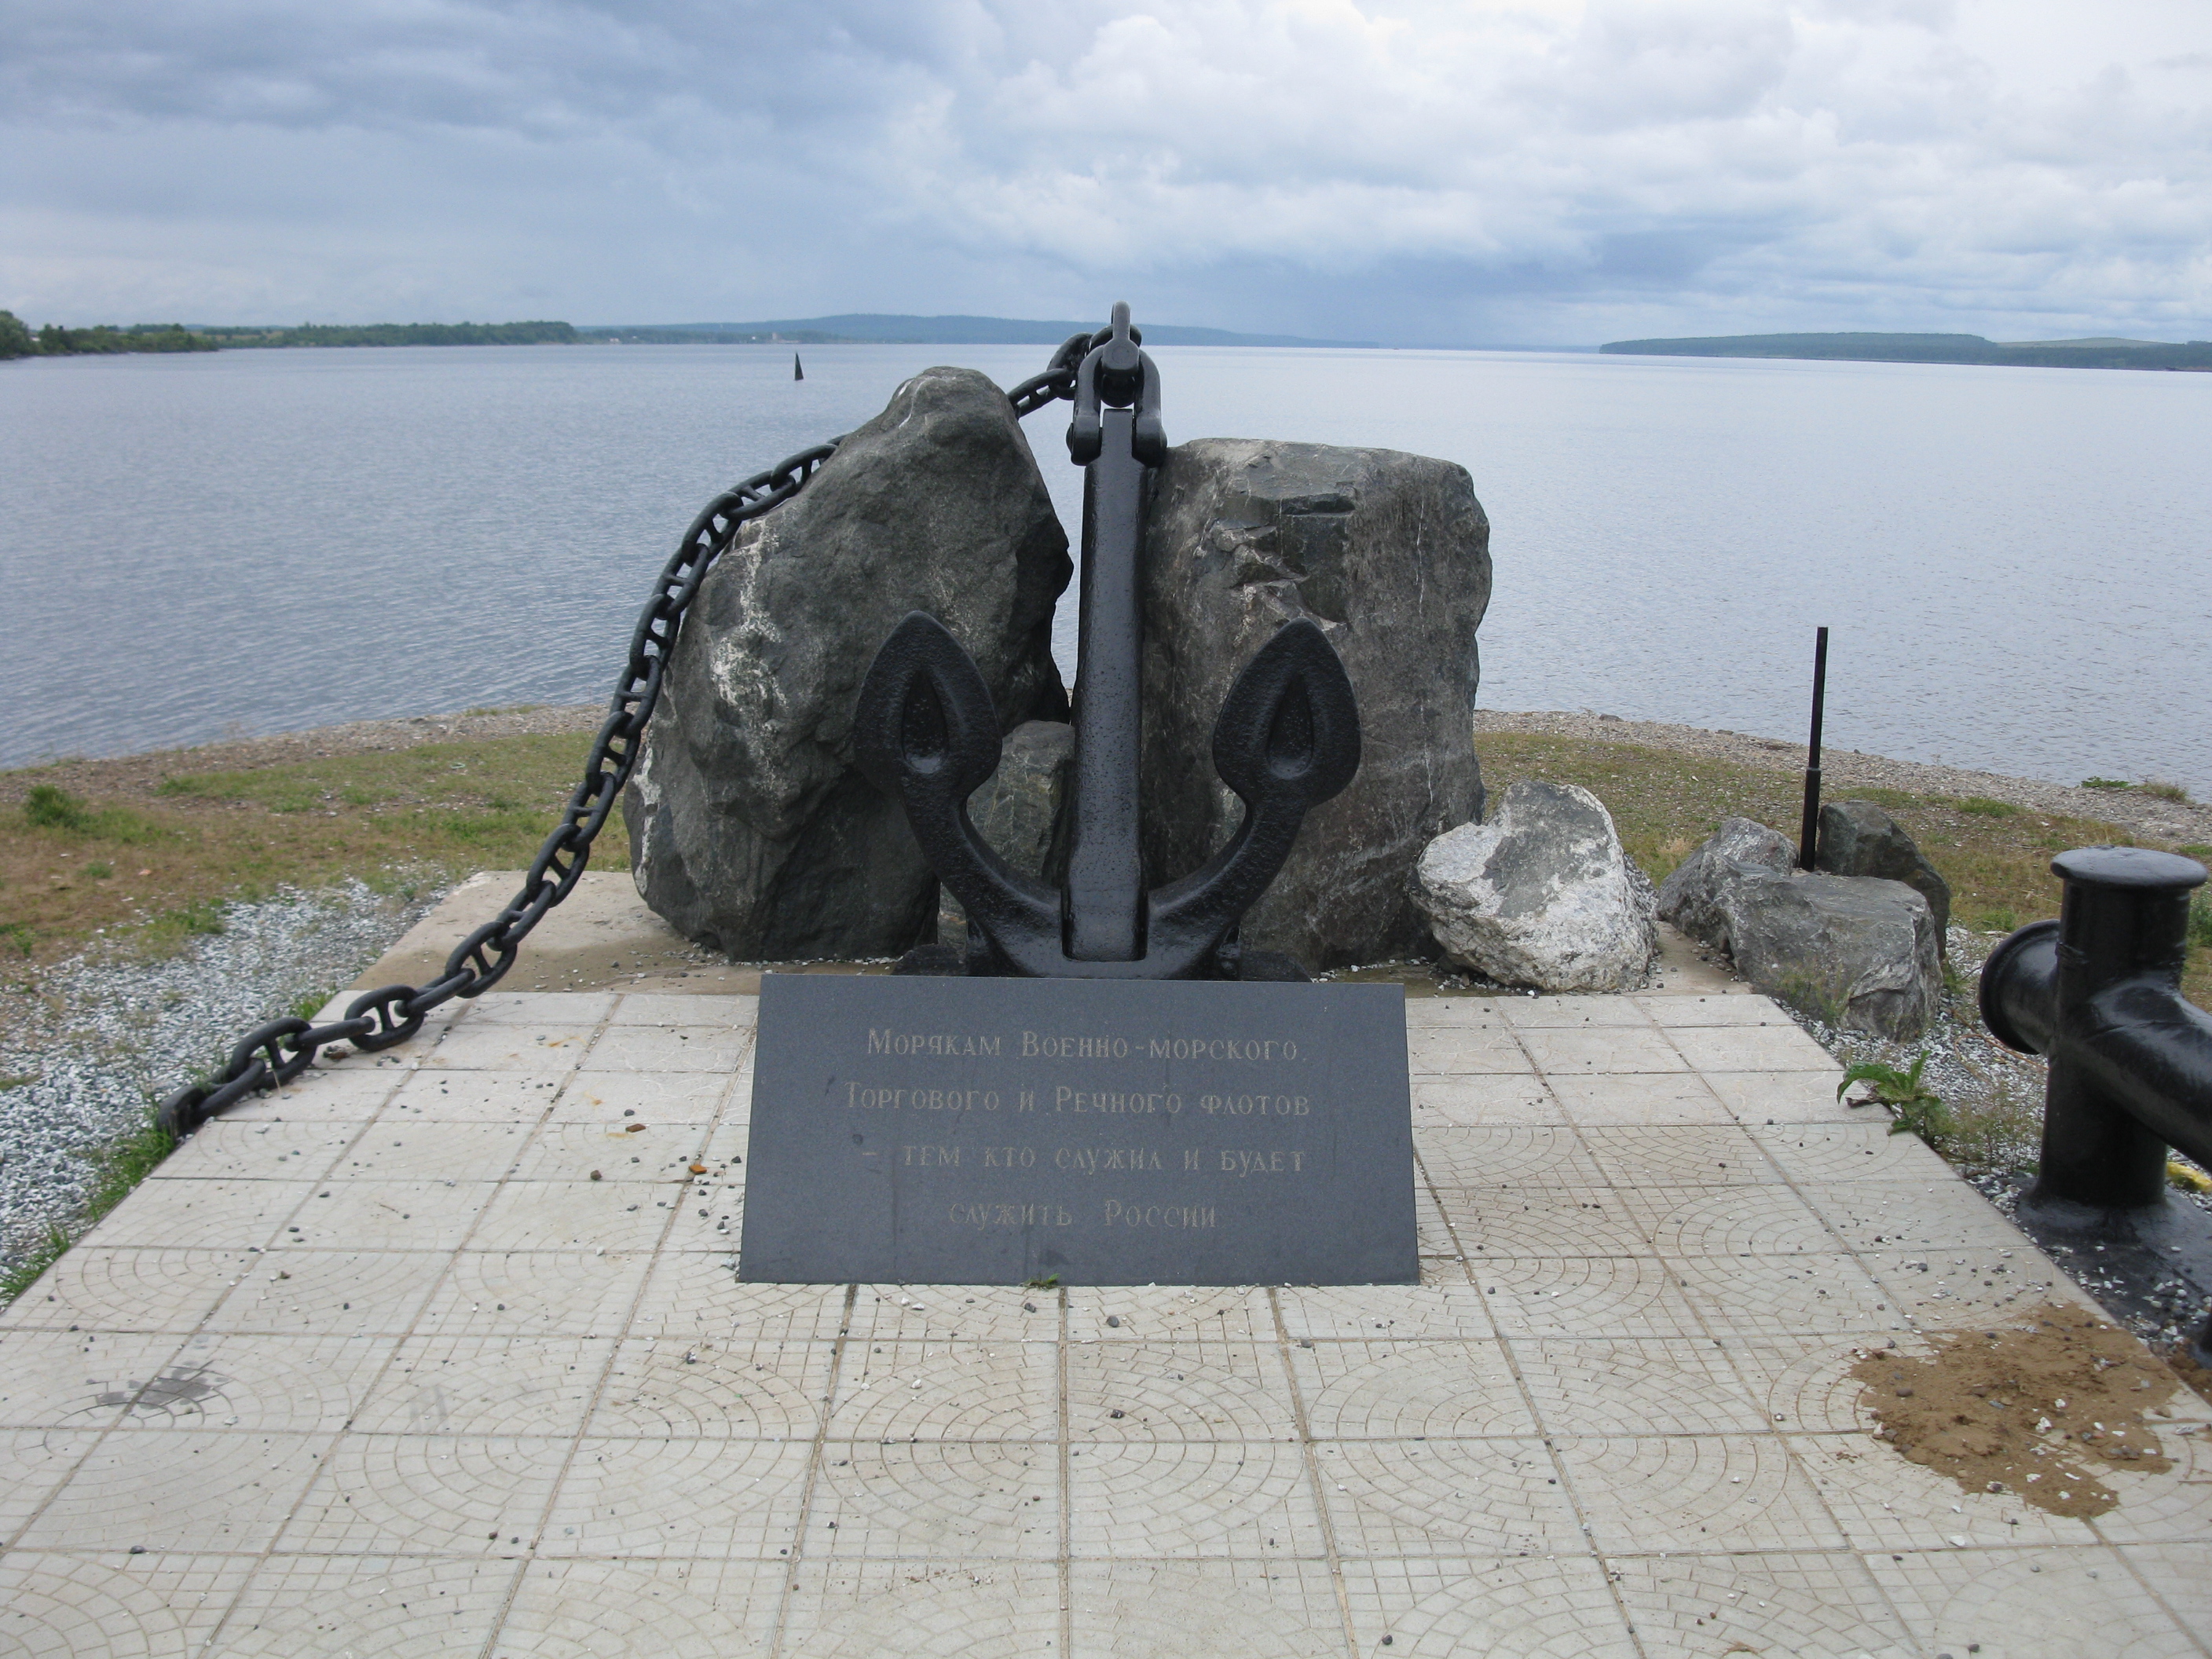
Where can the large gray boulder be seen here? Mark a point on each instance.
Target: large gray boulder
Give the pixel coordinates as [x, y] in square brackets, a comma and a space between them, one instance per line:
[750, 829]
[1690, 897]
[1857, 838]
[1389, 554]
[1856, 952]
[1541, 894]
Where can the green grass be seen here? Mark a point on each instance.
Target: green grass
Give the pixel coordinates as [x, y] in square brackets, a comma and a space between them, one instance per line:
[1982, 807]
[116, 1170]
[25, 1273]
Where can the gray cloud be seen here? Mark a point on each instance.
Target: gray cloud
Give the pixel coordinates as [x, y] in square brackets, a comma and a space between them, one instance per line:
[1477, 170]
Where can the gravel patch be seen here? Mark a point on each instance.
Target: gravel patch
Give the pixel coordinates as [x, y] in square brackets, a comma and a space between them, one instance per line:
[1843, 769]
[108, 1036]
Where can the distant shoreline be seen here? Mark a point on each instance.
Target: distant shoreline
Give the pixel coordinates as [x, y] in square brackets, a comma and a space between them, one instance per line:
[2187, 356]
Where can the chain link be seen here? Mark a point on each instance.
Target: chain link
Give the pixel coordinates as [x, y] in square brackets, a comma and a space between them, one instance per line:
[275, 1053]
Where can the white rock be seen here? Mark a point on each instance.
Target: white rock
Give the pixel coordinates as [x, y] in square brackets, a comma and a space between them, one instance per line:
[1540, 895]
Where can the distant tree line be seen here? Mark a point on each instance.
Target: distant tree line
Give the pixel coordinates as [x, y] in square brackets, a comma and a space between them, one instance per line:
[1933, 348]
[17, 340]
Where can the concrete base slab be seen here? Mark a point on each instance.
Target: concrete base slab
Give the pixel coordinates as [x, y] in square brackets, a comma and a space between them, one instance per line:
[443, 1351]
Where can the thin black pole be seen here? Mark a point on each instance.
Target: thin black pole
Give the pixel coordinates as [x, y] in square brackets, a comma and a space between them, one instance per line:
[797, 373]
[1808, 834]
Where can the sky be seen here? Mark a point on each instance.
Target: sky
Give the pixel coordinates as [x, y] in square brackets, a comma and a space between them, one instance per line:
[1480, 172]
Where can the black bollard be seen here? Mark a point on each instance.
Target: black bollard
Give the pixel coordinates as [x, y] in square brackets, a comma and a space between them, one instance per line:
[1808, 834]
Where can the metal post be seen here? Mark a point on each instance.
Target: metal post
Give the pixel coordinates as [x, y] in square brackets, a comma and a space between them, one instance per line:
[1808, 834]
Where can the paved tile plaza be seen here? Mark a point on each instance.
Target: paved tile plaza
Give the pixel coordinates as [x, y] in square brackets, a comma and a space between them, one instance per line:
[378, 1368]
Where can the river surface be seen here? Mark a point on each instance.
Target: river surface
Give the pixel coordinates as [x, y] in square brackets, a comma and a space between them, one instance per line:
[2013, 561]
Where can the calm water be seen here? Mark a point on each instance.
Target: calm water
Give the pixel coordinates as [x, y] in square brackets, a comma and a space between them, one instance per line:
[2013, 561]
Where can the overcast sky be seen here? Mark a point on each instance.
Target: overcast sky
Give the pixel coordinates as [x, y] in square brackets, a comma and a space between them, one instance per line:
[1477, 172]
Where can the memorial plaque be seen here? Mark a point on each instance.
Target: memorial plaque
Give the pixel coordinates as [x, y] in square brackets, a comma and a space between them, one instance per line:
[957, 1130]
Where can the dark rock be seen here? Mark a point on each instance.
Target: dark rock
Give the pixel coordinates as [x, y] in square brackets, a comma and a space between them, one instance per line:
[750, 829]
[1855, 951]
[1857, 838]
[1389, 554]
[1018, 811]
[1690, 897]
[1541, 894]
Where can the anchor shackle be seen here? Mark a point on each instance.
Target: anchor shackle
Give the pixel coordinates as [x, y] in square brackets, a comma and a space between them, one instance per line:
[1115, 374]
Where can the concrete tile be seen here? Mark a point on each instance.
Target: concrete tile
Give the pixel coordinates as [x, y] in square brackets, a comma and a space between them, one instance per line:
[458, 1096]
[1543, 1220]
[1784, 1295]
[217, 1492]
[548, 1010]
[114, 1605]
[1821, 1603]
[1445, 1497]
[570, 1151]
[433, 1151]
[1572, 1013]
[1402, 1312]
[1432, 1233]
[2171, 1509]
[2028, 1603]
[1919, 1214]
[690, 1295]
[416, 1494]
[1617, 1385]
[1600, 1053]
[328, 1093]
[708, 1214]
[531, 1051]
[394, 1609]
[126, 1289]
[1192, 1391]
[1678, 1155]
[476, 1385]
[1816, 1154]
[1441, 1608]
[1468, 1103]
[296, 1384]
[733, 1390]
[76, 1380]
[1777, 1048]
[2174, 1573]
[1712, 1009]
[1464, 1012]
[1522, 1155]
[1701, 1492]
[1376, 1391]
[1169, 1500]
[1804, 1383]
[663, 1103]
[518, 1293]
[1225, 1609]
[296, 1149]
[661, 1049]
[1633, 1098]
[343, 1293]
[614, 1216]
[1883, 1502]
[1619, 1295]
[718, 1499]
[899, 1389]
[1759, 1098]
[847, 1607]
[1940, 1289]
[1164, 1313]
[384, 1215]
[33, 1464]
[1482, 1050]
[710, 1609]
[1752, 1220]
[937, 1500]
[668, 1008]
[200, 1215]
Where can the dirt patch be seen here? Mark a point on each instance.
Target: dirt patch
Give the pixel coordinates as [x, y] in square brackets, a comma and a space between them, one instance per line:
[2036, 1408]
[2193, 1376]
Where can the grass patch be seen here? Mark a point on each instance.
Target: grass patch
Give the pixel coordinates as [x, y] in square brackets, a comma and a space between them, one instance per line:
[122, 1166]
[2163, 790]
[1664, 804]
[177, 847]
[27, 1272]
[2106, 783]
[1982, 807]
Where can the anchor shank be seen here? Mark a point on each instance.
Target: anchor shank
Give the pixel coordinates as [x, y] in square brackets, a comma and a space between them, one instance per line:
[1103, 920]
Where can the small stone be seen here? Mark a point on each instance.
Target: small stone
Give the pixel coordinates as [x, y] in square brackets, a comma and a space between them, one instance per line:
[698, 1169]
[596, 1176]
[137, 1549]
[1113, 1322]
[1114, 1414]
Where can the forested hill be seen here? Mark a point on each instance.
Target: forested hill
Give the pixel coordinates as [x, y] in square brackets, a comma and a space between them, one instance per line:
[1933, 348]
[17, 340]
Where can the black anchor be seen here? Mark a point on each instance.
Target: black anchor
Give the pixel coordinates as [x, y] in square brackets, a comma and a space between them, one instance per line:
[1288, 738]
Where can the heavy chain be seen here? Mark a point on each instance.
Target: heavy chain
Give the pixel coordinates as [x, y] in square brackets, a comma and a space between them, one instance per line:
[279, 1051]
